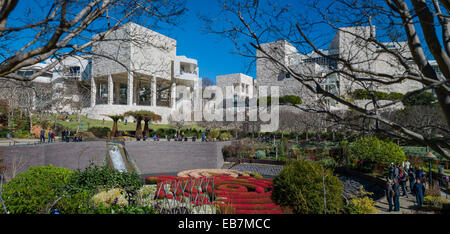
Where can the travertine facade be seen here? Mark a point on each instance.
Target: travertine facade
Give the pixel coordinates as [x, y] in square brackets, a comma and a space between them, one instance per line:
[345, 44]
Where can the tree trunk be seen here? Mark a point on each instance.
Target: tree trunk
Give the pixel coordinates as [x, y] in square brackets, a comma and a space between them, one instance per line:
[146, 129]
[138, 128]
[114, 129]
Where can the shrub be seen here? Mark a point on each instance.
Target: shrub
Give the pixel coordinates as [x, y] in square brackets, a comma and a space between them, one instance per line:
[3, 131]
[260, 154]
[299, 186]
[375, 151]
[225, 136]
[423, 99]
[395, 96]
[21, 134]
[33, 192]
[95, 178]
[115, 196]
[291, 99]
[361, 204]
[215, 133]
[435, 202]
[100, 132]
[229, 151]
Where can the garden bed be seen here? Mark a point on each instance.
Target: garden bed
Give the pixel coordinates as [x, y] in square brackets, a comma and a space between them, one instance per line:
[260, 161]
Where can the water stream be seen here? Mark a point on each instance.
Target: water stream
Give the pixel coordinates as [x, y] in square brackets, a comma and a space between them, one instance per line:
[117, 159]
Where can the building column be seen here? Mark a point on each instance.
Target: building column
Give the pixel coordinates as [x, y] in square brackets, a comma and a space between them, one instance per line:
[110, 90]
[130, 89]
[117, 93]
[153, 91]
[93, 92]
[136, 93]
[173, 94]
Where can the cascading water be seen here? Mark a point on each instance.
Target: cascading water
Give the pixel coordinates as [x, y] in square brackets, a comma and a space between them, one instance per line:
[117, 159]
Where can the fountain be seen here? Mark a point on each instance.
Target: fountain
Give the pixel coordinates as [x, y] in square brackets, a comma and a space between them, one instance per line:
[118, 158]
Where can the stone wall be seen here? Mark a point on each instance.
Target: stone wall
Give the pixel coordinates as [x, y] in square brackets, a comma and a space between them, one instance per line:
[68, 155]
[172, 157]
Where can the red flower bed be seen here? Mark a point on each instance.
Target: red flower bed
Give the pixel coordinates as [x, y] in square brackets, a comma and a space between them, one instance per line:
[245, 194]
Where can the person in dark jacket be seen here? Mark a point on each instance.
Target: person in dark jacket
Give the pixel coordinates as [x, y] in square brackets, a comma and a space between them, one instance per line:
[396, 171]
[42, 136]
[389, 194]
[396, 188]
[391, 171]
[412, 177]
[419, 191]
[403, 178]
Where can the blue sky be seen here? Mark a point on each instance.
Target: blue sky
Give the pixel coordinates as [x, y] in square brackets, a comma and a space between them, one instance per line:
[212, 52]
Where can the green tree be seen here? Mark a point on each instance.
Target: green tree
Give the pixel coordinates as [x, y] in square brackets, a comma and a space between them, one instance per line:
[307, 188]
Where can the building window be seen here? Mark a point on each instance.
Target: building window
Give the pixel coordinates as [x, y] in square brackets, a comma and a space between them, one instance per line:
[74, 71]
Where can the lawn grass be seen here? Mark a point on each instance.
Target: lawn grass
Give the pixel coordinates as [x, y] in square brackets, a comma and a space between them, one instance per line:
[130, 126]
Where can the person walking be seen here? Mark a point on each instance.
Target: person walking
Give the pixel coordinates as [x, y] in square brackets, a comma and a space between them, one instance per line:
[53, 136]
[396, 171]
[63, 135]
[49, 135]
[396, 188]
[407, 166]
[403, 178]
[389, 194]
[42, 136]
[419, 191]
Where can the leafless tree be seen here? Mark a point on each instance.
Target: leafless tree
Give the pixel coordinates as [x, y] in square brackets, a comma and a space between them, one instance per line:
[64, 28]
[306, 26]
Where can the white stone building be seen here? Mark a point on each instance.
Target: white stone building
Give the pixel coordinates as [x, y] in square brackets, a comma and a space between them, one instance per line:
[240, 86]
[139, 70]
[363, 55]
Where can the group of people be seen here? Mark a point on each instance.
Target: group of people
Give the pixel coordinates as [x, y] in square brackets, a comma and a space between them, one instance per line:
[67, 135]
[397, 184]
[50, 136]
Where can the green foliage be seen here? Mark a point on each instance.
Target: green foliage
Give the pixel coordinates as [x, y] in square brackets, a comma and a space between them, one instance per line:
[361, 204]
[291, 99]
[215, 133]
[21, 134]
[300, 187]
[34, 191]
[375, 151]
[100, 132]
[395, 96]
[225, 136]
[260, 154]
[117, 209]
[365, 94]
[95, 178]
[421, 99]
[4, 131]
[435, 202]
[283, 100]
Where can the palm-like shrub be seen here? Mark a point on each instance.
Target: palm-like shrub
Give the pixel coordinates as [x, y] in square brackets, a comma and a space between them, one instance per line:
[143, 115]
[115, 119]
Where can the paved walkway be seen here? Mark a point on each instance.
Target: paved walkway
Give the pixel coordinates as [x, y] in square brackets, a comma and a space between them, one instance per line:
[407, 205]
